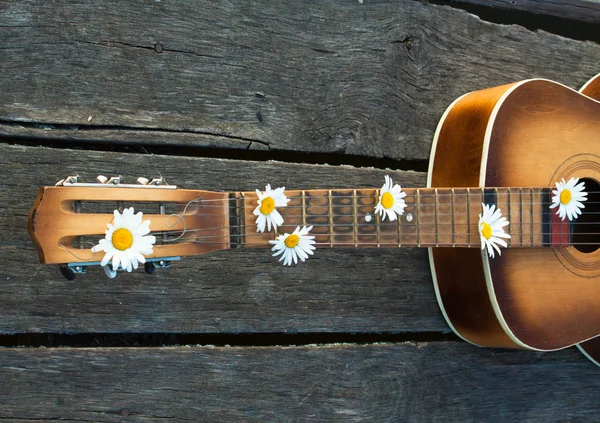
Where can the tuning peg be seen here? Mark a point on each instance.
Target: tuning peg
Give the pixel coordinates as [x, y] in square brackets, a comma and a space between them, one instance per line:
[102, 179]
[115, 180]
[67, 272]
[69, 180]
[142, 181]
[152, 264]
[157, 181]
[149, 267]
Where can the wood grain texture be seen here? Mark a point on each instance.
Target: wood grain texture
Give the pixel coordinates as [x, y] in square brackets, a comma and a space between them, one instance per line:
[337, 383]
[230, 291]
[367, 79]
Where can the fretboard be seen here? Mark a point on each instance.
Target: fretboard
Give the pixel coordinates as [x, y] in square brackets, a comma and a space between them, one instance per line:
[442, 217]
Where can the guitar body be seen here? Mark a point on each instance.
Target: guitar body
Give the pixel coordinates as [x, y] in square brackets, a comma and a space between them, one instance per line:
[529, 133]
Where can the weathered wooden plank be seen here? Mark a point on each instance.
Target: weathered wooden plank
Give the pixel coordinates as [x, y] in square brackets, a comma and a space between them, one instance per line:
[578, 10]
[230, 291]
[450, 381]
[370, 78]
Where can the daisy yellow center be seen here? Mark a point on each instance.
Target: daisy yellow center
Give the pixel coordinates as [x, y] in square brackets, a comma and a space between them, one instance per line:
[122, 239]
[291, 241]
[486, 230]
[267, 205]
[565, 196]
[387, 200]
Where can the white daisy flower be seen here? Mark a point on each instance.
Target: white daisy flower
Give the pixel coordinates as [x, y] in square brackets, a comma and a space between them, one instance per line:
[390, 200]
[266, 210]
[293, 246]
[126, 242]
[491, 229]
[568, 197]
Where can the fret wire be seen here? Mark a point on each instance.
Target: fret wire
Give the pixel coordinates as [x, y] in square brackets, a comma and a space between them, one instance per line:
[303, 208]
[330, 220]
[435, 212]
[417, 222]
[453, 228]
[377, 221]
[521, 214]
[355, 208]
[243, 218]
[469, 216]
[497, 198]
[509, 215]
[531, 213]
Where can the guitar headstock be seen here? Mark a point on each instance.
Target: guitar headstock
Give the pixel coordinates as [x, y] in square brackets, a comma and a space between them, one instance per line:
[67, 219]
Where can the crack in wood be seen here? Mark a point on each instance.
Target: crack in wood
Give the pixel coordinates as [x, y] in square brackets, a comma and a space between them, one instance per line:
[91, 128]
[575, 19]
[249, 153]
[119, 340]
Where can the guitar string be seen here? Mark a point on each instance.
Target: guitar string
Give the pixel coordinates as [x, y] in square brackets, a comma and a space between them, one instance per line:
[392, 225]
[372, 196]
[260, 235]
[392, 233]
[362, 206]
[359, 197]
[384, 243]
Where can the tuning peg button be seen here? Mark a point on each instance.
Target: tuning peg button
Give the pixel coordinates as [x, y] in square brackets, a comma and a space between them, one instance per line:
[142, 181]
[102, 179]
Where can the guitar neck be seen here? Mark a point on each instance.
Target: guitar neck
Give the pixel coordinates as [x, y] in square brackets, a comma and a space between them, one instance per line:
[433, 217]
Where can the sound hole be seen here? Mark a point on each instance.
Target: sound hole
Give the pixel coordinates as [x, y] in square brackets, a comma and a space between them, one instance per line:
[586, 228]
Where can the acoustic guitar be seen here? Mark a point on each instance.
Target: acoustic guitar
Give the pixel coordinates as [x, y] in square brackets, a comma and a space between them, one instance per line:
[505, 148]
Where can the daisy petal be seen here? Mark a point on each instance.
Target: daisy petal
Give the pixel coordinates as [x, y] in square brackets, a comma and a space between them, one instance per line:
[116, 261]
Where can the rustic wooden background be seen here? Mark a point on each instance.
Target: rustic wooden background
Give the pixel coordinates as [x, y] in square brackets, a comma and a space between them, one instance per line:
[231, 95]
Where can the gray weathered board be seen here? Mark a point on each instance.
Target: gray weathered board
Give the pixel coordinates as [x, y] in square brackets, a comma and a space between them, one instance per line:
[443, 381]
[367, 79]
[361, 79]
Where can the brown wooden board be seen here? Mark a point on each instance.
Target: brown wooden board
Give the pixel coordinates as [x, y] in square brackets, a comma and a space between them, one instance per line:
[362, 78]
[343, 290]
[446, 381]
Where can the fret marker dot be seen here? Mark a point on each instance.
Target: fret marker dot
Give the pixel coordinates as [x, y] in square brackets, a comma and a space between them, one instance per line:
[368, 218]
[409, 217]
